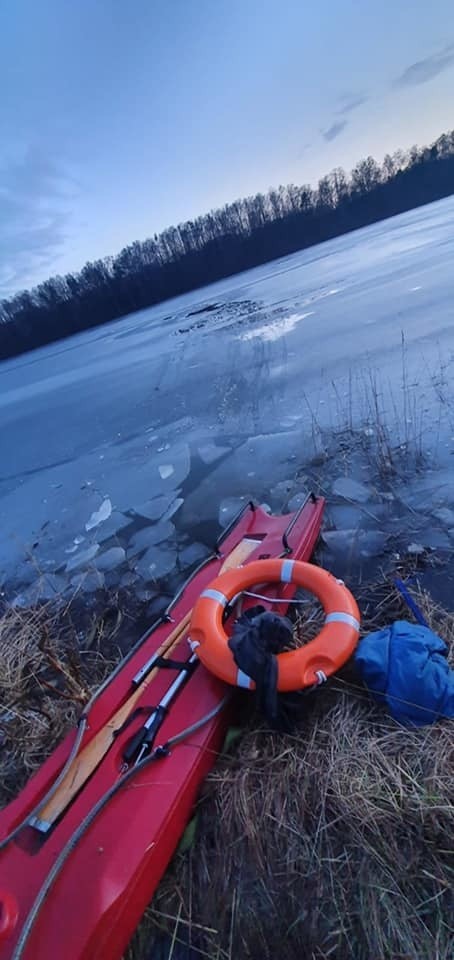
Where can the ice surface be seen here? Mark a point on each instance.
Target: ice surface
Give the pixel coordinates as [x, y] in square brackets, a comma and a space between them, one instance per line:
[296, 502]
[369, 543]
[228, 509]
[174, 465]
[88, 582]
[128, 579]
[111, 527]
[45, 588]
[435, 539]
[166, 470]
[339, 541]
[100, 515]
[429, 491]
[210, 452]
[42, 482]
[350, 489]
[172, 509]
[82, 558]
[445, 515]
[111, 559]
[194, 553]
[281, 490]
[345, 515]
[76, 543]
[156, 508]
[156, 563]
[150, 536]
[372, 542]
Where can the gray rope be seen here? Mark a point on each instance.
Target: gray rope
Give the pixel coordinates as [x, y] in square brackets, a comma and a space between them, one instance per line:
[259, 596]
[55, 785]
[82, 726]
[87, 822]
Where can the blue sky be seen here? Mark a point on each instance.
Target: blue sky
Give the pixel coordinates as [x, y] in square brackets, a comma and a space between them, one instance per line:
[118, 119]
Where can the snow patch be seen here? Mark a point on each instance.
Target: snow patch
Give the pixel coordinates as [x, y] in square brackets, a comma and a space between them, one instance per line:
[275, 328]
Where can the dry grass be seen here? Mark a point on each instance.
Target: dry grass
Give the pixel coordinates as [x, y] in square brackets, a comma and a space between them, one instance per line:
[336, 842]
[48, 671]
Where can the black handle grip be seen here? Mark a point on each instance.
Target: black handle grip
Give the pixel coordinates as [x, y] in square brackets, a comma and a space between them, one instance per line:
[144, 736]
[152, 729]
[134, 745]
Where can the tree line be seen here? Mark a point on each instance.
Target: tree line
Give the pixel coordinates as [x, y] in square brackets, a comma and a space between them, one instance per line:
[236, 237]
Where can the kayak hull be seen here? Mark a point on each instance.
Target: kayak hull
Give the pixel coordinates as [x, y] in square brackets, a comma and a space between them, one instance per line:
[98, 895]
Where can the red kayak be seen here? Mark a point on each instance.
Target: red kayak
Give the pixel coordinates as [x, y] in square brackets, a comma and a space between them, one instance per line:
[84, 846]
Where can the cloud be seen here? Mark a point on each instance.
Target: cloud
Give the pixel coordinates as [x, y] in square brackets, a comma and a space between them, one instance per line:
[35, 211]
[350, 104]
[335, 130]
[425, 70]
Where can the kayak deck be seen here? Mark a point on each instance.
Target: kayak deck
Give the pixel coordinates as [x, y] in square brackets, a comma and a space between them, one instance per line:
[89, 877]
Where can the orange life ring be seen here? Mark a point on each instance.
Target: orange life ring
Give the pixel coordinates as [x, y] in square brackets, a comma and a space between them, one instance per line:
[303, 667]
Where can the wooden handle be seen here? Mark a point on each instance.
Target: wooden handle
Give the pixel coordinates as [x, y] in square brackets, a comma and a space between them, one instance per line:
[88, 759]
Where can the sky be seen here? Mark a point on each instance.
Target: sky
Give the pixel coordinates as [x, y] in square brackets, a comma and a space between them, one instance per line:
[119, 118]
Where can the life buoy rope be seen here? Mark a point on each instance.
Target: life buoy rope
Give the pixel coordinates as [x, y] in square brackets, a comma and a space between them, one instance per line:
[308, 665]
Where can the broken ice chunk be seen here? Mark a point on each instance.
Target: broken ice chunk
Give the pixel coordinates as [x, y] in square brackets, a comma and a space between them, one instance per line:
[154, 509]
[156, 563]
[80, 559]
[210, 452]
[350, 489]
[111, 559]
[150, 536]
[88, 582]
[172, 509]
[229, 508]
[46, 587]
[194, 553]
[99, 515]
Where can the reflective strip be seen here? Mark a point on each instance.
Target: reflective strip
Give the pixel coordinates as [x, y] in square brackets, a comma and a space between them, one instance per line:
[287, 571]
[321, 677]
[215, 595]
[343, 618]
[242, 680]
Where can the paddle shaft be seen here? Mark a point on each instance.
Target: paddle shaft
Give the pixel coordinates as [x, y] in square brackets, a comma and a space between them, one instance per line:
[143, 739]
[90, 757]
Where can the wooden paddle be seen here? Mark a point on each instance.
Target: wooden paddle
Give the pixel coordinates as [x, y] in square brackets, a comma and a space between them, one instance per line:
[90, 757]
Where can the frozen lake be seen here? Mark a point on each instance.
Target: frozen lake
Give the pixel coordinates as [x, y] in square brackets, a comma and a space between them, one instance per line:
[124, 446]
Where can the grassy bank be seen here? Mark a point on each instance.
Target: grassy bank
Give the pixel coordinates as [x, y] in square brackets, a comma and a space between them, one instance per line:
[53, 657]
